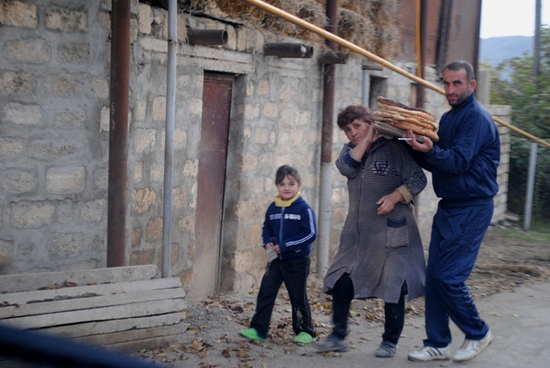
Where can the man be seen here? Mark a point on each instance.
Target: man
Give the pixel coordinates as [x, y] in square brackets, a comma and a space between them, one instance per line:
[464, 169]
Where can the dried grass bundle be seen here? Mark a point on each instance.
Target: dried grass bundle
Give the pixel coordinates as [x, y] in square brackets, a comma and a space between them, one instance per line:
[371, 24]
[385, 18]
[356, 29]
[309, 10]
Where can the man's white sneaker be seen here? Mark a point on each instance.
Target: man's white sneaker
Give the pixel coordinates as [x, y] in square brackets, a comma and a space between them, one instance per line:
[472, 348]
[428, 353]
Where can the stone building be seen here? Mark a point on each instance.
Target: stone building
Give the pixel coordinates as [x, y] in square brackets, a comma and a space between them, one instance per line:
[54, 140]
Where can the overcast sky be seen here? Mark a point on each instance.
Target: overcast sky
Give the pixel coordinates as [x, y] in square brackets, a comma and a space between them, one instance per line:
[511, 17]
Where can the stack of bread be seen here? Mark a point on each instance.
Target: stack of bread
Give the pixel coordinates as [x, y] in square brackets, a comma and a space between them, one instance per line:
[403, 118]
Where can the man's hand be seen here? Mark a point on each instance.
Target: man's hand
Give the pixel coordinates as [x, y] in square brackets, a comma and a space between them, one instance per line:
[418, 146]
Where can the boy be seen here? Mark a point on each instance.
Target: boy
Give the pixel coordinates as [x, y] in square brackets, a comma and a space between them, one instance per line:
[289, 229]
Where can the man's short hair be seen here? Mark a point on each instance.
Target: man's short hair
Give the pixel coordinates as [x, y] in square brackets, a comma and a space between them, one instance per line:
[462, 64]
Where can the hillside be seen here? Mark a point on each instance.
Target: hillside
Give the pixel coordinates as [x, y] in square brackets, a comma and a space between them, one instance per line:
[495, 50]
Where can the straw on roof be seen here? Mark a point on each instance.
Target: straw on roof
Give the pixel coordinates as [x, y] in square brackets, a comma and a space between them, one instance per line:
[371, 24]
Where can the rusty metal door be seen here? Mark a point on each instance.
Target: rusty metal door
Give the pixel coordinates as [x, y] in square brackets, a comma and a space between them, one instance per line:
[216, 109]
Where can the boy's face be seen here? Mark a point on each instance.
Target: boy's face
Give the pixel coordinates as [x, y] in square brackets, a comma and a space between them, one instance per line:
[288, 188]
[357, 130]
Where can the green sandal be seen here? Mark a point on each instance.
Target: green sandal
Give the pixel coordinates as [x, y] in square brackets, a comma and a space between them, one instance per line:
[251, 334]
[304, 338]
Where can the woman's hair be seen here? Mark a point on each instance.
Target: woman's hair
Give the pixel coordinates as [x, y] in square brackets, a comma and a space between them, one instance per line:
[285, 170]
[351, 113]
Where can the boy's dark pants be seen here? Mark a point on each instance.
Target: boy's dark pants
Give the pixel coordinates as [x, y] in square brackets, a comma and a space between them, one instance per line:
[293, 272]
[342, 295]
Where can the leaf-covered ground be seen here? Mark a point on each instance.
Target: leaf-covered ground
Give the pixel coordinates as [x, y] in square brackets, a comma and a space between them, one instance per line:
[212, 339]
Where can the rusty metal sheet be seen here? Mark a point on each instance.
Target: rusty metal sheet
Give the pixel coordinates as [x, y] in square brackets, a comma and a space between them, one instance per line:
[211, 182]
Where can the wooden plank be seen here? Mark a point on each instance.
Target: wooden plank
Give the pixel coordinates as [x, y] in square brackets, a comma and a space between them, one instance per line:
[132, 335]
[111, 326]
[99, 314]
[91, 302]
[151, 343]
[34, 281]
[79, 291]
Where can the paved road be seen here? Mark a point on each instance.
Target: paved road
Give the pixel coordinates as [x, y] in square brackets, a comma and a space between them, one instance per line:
[519, 320]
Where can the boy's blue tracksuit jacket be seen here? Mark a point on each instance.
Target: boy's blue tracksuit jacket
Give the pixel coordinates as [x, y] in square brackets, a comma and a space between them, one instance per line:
[292, 223]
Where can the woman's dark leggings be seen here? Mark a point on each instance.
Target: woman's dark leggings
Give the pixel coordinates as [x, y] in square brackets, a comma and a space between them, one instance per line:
[342, 295]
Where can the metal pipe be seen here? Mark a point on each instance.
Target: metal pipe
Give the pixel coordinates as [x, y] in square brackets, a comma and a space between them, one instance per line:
[169, 136]
[118, 133]
[530, 185]
[365, 87]
[288, 50]
[421, 10]
[334, 38]
[207, 37]
[325, 189]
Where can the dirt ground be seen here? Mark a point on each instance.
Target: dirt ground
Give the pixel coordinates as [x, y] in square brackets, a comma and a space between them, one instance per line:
[212, 339]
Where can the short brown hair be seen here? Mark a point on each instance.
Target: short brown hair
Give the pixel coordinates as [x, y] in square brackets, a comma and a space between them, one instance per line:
[284, 171]
[353, 112]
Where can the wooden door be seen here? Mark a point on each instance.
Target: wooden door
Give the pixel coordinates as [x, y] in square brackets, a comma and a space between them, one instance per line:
[216, 109]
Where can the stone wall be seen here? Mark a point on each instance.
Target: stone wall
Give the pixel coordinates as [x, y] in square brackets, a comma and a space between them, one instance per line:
[54, 137]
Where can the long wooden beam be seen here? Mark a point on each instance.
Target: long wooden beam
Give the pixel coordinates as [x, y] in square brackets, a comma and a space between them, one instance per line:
[331, 36]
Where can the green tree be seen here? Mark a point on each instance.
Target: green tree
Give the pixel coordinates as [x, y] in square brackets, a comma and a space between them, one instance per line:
[529, 96]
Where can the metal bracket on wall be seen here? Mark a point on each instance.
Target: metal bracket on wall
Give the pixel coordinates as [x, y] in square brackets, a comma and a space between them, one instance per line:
[333, 57]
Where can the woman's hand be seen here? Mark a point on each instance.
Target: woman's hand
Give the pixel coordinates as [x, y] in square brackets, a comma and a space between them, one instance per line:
[387, 203]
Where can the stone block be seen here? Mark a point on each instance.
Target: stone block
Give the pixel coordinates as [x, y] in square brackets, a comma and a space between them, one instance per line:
[70, 118]
[144, 18]
[65, 245]
[145, 140]
[93, 211]
[261, 136]
[16, 82]
[180, 197]
[5, 253]
[101, 88]
[180, 138]
[159, 108]
[73, 52]
[62, 85]
[18, 14]
[49, 150]
[104, 119]
[23, 114]
[32, 215]
[135, 238]
[270, 110]
[66, 180]
[153, 232]
[18, 181]
[144, 199]
[66, 20]
[101, 179]
[11, 148]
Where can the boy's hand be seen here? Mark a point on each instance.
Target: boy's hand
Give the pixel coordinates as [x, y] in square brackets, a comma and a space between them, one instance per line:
[275, 247]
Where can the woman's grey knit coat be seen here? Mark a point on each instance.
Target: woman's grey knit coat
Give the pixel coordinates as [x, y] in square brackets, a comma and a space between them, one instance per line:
[380, 252]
